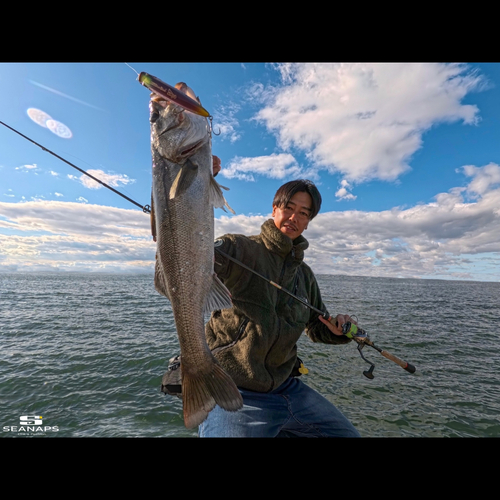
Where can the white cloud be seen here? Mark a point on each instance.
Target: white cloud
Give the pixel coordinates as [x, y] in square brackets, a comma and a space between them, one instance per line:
[275, 166]
[448, 238]
[484, 177]
[27, 168]
[451, 237]
[364, 120]
[430, 240]
[113, 180]
[72, 218]
[239, 224]
[343, 193]
[45, 235]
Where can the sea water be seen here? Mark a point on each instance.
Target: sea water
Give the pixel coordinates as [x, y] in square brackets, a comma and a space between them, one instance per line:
[82, 355]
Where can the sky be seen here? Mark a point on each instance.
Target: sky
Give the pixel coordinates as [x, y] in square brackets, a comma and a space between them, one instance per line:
[406, 157]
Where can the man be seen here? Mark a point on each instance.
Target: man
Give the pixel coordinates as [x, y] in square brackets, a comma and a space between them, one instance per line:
[255, 340]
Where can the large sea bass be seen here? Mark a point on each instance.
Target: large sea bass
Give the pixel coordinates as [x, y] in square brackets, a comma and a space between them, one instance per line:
[182, 222]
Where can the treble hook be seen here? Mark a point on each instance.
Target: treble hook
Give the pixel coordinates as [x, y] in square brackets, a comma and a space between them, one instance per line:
[211, 127]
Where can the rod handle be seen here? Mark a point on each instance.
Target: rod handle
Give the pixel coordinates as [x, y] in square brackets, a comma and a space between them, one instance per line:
[403, 364]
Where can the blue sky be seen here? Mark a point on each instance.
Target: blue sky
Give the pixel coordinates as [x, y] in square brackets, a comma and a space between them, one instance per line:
[406, 157]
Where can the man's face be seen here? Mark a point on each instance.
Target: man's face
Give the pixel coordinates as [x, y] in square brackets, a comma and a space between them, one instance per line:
[293, 219]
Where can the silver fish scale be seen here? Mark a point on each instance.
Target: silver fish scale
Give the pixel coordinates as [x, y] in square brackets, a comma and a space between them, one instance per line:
[184, 226]
[185, 251]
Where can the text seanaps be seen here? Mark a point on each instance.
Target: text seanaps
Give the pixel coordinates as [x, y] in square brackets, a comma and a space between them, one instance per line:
[15, 428]
[31, 425]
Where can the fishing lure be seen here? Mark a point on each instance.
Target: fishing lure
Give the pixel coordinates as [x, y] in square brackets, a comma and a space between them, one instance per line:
[172, 94]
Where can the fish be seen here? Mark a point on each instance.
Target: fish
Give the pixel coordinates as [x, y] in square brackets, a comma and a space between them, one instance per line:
[184, 195]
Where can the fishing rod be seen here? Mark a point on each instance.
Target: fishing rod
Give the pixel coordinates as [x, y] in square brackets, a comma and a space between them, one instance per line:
[349, 329]
[324, 314]
[158, 87]
[145, 208]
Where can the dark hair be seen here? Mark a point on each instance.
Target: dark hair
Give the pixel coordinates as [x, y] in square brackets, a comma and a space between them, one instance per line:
[285, 192]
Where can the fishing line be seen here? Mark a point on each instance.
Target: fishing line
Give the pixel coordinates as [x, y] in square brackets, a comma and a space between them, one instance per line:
[279, 287]
[132, 68]
[348, 329]
[145, 208]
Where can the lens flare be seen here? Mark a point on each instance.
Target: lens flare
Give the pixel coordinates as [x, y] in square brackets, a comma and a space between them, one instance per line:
[39, 116]
[59, 129]
[44, 120]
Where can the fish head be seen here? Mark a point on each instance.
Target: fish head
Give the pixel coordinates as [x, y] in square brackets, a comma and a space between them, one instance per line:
[176, 133]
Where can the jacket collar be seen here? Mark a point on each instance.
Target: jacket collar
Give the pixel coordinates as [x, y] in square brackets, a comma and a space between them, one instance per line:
[277, 242]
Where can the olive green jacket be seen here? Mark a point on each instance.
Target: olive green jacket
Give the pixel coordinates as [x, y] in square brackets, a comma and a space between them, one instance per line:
[255, 340]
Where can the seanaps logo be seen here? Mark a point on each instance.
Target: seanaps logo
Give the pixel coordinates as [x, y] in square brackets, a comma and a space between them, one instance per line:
[30, 425]
[30, 420]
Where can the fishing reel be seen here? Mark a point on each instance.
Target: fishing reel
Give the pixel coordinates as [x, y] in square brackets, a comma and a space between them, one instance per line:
[359, 335]
[352, 331]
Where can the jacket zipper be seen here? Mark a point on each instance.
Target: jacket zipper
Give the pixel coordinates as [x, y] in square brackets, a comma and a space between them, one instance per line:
[282, 274]
[241, 329]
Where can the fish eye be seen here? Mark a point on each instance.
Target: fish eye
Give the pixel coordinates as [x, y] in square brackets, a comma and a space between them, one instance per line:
[178, 111]
[154, 116]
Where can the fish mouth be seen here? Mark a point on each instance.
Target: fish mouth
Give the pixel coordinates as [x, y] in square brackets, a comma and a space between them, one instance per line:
[191, 149]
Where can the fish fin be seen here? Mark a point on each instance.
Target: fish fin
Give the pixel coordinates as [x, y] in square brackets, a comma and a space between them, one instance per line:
[159, 280]
[184, 179]
[216, 197]
[201, 391]
[219, 297]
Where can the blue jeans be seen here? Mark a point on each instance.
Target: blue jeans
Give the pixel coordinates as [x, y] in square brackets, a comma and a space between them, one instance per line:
[292, 410]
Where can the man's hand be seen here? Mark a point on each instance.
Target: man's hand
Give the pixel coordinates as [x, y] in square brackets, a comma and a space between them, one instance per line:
[339, 320]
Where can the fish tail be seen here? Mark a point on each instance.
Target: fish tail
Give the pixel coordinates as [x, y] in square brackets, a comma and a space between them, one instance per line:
[202, 391]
